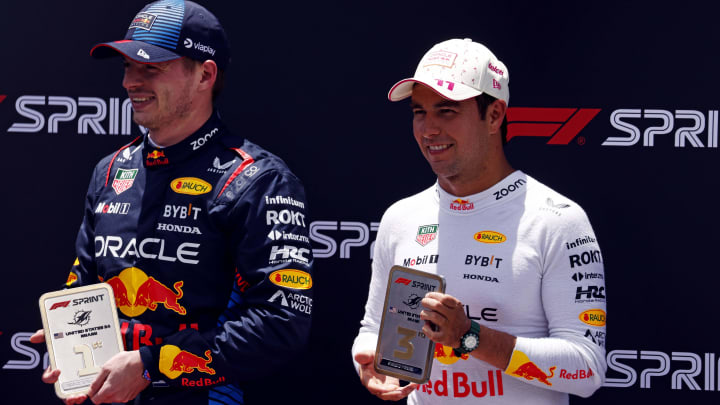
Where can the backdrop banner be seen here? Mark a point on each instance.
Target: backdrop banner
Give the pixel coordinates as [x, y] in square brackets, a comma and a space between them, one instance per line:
[614, 106]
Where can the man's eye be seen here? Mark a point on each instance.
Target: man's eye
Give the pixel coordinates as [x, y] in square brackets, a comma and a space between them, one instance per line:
[447, 111]
[418, 112]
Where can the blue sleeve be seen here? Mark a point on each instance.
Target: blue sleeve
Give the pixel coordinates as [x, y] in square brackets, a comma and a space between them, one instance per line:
[267, 320]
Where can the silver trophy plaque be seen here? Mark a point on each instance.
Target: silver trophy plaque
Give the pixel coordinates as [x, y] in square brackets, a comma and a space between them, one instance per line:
[81, 332]
[403, 350]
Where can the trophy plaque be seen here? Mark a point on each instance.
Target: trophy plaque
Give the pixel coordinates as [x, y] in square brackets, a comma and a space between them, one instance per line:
[403, 350]
[81, 332]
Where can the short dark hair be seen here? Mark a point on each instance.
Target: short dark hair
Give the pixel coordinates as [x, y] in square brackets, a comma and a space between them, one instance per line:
[192, 64]
[483, 102]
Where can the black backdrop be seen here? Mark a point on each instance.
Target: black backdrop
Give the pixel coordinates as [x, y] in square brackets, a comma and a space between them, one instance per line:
[309, 82]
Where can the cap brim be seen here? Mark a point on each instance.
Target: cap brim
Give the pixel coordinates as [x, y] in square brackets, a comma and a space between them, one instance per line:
[138, 51]
[450, 90]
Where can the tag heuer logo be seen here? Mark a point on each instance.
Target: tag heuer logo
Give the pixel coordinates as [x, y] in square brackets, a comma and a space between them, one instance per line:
[123, 180]
[426, 234]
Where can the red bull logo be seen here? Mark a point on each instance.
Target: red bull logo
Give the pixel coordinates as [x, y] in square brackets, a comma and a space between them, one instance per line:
[173, 362]
[461, 205]
[156, 158]
[135, 293]
[190, 186]
[72, 277]
[521, 366]
[446, 355]
[156, 154]
[463, 385]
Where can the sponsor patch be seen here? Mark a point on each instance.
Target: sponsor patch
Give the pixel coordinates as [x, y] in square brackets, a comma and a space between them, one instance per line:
[593, 317]
[143, 21]
[190, 186]
[156, 158]
[440, 58]
[521, 366]
[112, 208]
[296, 301]
[489, 237]
[426, 234]
[461, 205]
[124, 179]
[291, 278]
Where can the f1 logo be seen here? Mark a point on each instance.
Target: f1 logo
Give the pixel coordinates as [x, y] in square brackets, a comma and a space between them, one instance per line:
[402, 280]
[560, 124]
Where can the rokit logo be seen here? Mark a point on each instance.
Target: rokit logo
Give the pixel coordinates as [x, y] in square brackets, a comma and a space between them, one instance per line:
[561, 125]
[686, 366]
[38, 111]
[662, 123]
[585, 258]
[353, 235]
[285, 217]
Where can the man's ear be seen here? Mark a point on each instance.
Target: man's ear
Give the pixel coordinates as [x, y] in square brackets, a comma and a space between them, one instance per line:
[496, 114]
[208, 76]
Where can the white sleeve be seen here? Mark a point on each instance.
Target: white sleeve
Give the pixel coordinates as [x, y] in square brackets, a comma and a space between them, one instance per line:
[572, 358]
[381, 264]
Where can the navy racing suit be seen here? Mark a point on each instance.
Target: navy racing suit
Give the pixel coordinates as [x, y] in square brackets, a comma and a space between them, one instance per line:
[206, 247]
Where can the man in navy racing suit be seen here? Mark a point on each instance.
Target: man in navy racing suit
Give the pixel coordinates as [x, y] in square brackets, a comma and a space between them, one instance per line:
[201, 234]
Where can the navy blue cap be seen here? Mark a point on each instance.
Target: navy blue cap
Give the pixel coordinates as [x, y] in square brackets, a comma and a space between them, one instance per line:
[170, 29]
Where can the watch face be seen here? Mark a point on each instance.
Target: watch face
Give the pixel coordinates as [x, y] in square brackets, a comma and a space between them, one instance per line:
[470, 342]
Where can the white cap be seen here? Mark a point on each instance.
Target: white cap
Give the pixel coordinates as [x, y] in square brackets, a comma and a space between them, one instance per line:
[458, 70]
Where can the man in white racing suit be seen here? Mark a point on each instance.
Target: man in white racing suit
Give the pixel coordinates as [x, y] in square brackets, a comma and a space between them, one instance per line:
[523, 316]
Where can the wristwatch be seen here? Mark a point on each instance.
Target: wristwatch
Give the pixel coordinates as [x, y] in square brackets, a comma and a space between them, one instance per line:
[470, 340]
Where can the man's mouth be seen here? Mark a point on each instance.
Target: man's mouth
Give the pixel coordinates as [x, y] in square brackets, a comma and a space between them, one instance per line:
[438, 148]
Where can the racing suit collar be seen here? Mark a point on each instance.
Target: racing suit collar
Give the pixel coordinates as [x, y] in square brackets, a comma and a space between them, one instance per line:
[156, 157]
[506, 189]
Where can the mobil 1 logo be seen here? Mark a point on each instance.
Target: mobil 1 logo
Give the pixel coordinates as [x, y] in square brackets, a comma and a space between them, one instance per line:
[403, 351]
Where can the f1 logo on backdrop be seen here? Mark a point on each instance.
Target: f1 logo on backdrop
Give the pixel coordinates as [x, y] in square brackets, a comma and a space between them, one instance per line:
[561, 125]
